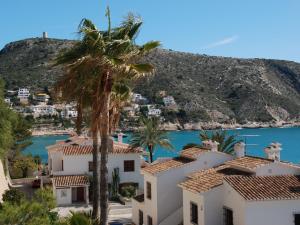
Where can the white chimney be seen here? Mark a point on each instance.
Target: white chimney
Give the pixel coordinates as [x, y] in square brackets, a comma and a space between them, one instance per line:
[120, 137]
[212, 145]
[273, 151]
[239, 149]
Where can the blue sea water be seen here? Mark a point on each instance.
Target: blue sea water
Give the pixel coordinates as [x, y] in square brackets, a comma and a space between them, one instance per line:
[256, 141]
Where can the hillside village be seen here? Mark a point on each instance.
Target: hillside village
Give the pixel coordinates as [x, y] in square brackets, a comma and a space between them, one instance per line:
[42, 107]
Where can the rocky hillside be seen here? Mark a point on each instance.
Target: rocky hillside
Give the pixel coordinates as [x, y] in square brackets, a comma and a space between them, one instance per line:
[206, 88]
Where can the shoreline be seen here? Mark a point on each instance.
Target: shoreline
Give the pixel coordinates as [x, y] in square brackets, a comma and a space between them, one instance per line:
[185, 127]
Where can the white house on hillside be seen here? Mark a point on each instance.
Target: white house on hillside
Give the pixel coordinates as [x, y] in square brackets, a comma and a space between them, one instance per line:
[217, 188]
[70, 164]
[23, 95]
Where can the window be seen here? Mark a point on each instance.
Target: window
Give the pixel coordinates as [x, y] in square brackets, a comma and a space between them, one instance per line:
[150, 220]
[194, 213]
[148, 188]
[62, 165]
[227, 216]
[91, 166]
[297, 219]
[141, 217]
[128, 165]
[63, 193]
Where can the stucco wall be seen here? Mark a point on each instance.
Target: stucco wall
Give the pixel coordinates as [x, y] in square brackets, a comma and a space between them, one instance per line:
[276, 169]
[233, 201]
[271, 212]
[168, 196]
[189, 197]
[63, 199]
[79, 164]
[136, 206]
[213, 206]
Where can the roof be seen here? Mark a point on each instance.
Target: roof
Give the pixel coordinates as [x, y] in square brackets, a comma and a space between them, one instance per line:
[167, 165]
[118, 148]
[249, 162]
[205, 180]
[259, 188]
[193, 153]
[66, 181]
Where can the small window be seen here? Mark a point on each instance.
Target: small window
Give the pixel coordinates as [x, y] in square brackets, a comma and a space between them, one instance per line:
[141, 217]
[297, 219]
[227, 216]
[129, 166]
[194, 213]
[91, 166]
[150, 220]
[63, 193]
[62, 165]
[148, 188]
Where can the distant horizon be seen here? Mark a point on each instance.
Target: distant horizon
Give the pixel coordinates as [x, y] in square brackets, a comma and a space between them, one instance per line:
[173, 50]
[238, 29]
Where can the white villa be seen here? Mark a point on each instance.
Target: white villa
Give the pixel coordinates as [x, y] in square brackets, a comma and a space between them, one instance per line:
[43, 110]
[70, 166]
[23, 95]
[207, 187]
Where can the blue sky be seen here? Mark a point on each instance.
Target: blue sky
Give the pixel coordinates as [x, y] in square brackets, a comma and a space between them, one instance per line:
[237, 28]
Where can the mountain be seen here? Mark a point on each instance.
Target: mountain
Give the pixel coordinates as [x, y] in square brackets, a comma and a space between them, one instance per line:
[206, 88]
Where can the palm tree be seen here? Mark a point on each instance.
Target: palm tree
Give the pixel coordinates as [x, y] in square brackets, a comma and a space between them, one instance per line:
[106, 58]
[226, 141]
[150, 136]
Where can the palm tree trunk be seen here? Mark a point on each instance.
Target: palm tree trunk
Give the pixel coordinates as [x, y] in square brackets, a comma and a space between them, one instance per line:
[79, 117]
[95, 214]
[150, 148]
[106, 144]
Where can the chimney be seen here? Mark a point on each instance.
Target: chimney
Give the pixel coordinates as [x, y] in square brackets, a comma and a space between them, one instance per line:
[212, 145]
[239, 149]
[120, 137]
[273, 151]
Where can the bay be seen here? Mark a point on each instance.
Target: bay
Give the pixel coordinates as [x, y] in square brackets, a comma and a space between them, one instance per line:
[256, 140]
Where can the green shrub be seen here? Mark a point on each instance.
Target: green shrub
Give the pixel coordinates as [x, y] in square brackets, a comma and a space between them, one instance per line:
[13, 196]
[128, 191]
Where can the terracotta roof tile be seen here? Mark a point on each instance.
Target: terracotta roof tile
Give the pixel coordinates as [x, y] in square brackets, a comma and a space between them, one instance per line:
[88, 149]
[193, 153]
[205, 180]
[248, 162]
[67, 181]
[266, 187]
[167, 165]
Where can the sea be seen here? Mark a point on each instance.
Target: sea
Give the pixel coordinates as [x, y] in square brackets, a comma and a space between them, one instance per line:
[256, 140]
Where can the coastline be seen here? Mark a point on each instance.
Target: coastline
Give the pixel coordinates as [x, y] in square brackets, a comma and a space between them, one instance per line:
[187, 126]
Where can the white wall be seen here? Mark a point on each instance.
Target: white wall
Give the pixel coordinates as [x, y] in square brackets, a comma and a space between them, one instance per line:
[168, 195]
[79, 165]
[151, 204]
[189, 197]
[56, 160]
[236, 203]
[271, 212]
[277, 169]
[136, 206]
[213, 206]
[61, 199]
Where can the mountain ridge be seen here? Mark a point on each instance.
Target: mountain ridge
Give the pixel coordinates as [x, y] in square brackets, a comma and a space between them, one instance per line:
[206, 88]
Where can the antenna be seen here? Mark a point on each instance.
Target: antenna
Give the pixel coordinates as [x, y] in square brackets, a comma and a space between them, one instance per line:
[246, 136]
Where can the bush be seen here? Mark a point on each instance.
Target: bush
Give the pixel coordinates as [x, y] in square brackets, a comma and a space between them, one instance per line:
[128, 191]
[13, 196]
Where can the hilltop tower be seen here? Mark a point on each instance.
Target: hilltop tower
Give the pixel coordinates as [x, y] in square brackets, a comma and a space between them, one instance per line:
[45, 35]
